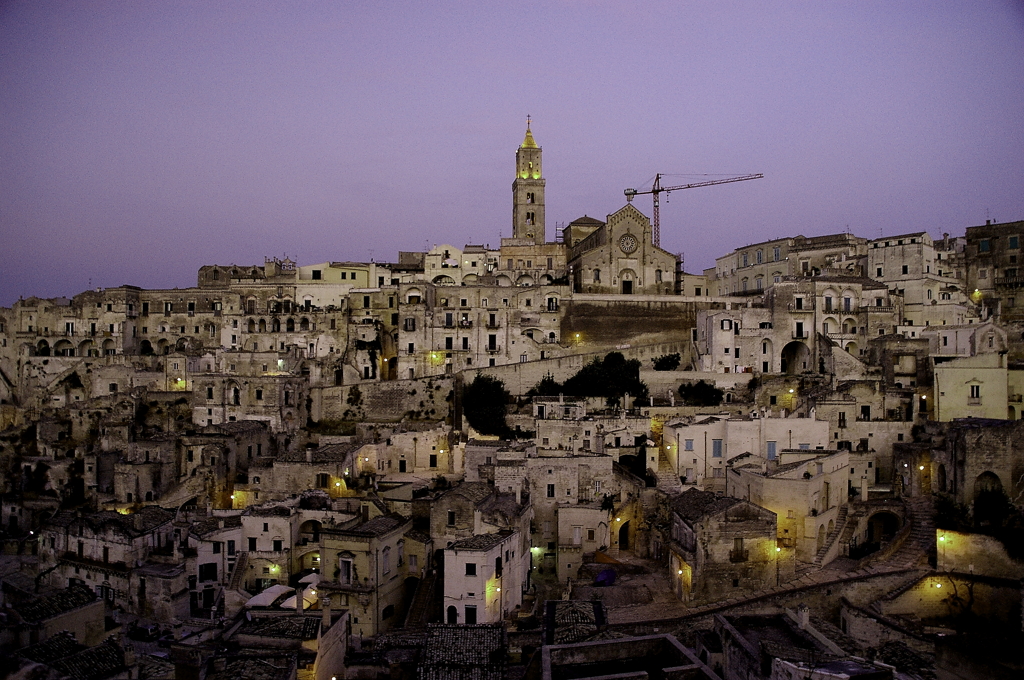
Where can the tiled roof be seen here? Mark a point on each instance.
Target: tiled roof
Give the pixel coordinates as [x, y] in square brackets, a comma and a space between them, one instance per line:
[55, 647]
[418, 536]
[472, 491]
[694, 504]
[269, 510]
[378, 526]
[291, 627]
[94, 663]
[463, 652]
[269, 667]
[208, 525]
[148, 518]
[481, 541]
[48, 606]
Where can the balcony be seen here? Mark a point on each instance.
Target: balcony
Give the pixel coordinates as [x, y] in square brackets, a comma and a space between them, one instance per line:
[465, 323]
[1009, 282]
[885, 309]
[807, 306]
[797, 335]
[493, 325]
[739, 555]
[494, 350]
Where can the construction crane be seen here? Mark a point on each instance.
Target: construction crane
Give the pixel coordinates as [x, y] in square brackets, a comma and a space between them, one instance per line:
[656, 189]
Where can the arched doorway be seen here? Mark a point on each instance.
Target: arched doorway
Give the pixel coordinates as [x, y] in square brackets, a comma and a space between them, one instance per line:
[882, 526]
[627, 280]
[624, 536]
[821, 537]
[43, 349]
[453, 614]
[990, 503]
[795, 358]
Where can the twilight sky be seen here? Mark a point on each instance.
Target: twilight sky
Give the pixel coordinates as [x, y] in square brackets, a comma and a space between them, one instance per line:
[141, 140]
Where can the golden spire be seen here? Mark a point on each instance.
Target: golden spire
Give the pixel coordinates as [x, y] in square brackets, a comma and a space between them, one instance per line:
[528, 142]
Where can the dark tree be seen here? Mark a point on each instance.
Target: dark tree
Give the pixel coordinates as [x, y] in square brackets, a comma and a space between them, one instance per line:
[612, 378]
[667, 362]
[701, 393]
[483, 403]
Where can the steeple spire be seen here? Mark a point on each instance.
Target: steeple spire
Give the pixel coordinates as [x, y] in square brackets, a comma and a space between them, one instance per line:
[528, 142]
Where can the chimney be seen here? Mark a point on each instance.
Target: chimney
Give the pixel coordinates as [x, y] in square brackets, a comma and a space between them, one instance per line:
[137, 521]
[309, 453]
[298, 599]
[519, 493]
[803, 616]
[220, 523]
[325, 620]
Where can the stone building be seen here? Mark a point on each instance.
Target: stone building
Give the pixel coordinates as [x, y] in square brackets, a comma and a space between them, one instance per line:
[720, 544]
[128, 560]
[365, 570]
[806, 489]
[991, 255]
[485, 576]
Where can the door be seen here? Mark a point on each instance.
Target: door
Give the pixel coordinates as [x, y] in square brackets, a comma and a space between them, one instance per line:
[401, 465]
[627, 287]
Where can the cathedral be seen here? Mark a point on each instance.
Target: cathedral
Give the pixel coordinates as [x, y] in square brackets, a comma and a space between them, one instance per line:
[616, 256]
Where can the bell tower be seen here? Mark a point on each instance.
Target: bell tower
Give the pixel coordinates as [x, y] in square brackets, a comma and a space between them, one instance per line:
[528, 192]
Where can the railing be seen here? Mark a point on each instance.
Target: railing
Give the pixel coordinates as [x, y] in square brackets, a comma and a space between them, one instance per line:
[887, 309]
[807, 306]
[1013, 281]
[494, 350]
[465, 323]
[738, 555]
[800, 336]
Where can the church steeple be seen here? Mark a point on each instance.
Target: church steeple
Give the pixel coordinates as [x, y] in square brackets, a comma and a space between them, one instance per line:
[528, 191]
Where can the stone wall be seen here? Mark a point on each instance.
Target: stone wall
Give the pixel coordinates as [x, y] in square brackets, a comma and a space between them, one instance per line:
[975, 553]
[420, 399]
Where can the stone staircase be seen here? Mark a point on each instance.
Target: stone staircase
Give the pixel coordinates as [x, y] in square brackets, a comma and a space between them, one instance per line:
[238, 573]
[419, 610]
[668, 481]
[920, 544]
[823, 555]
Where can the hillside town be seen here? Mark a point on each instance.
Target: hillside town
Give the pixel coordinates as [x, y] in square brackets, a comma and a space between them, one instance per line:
[564, 458]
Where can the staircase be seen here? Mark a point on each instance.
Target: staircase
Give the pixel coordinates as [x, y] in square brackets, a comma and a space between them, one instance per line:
[238, 573]
[830, 540]
[921, 542]
[419, 609]
[668, 481]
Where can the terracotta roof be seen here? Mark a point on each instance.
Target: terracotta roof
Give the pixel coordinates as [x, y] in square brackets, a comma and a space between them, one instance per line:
[208, 525]
[270, 666]
[94, 663]
[55, 647]
[148, 518]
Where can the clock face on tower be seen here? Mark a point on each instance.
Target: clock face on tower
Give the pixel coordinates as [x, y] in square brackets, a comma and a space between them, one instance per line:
[627, 244]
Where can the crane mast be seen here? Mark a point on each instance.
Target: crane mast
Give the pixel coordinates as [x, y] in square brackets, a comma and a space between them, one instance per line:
[656, 190]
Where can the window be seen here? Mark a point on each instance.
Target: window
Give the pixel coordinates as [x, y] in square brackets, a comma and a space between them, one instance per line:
[776, 253]
[231, 548]
[984, 245]
[217, 545]
[259, 394]
[385, 560]
[551, 491]
[597, 276]
[716, 448]
[346, 571]
[758, 256]
[771, 450]
[1013, 242]
[688, 445]
[976, 392]
[323, 480]
[208, 571]
[278, 545]
[433, 460]
[317, 274]
[252, 544]
[470, 568]
[471, 612]
[451, 518]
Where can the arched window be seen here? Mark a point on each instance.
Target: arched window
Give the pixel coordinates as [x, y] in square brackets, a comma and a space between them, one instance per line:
[597, 276]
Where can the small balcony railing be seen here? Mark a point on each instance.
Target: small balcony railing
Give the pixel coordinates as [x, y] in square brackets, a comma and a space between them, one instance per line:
[739, 555]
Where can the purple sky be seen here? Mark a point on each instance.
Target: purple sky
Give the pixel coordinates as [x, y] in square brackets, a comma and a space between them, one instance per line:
[140, 140]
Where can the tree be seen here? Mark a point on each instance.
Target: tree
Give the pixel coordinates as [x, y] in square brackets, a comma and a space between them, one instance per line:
[483, 403]
[547, 387]
[701, 393]
[611, 377]
[667, 362]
